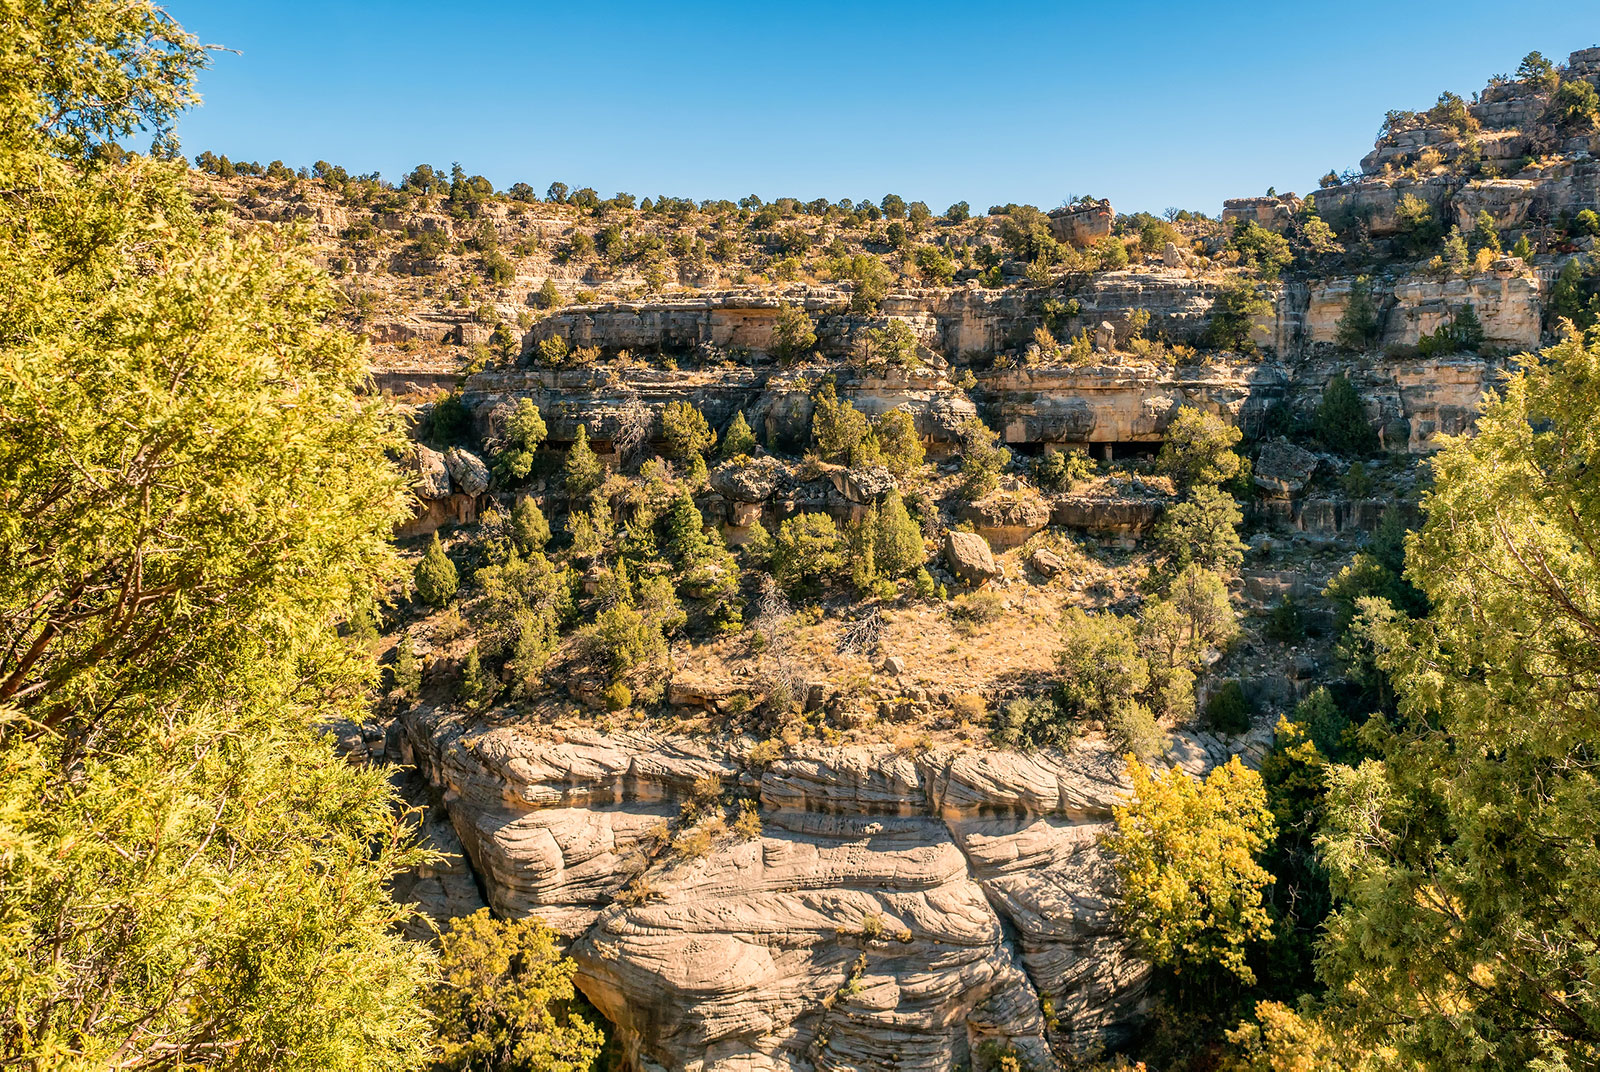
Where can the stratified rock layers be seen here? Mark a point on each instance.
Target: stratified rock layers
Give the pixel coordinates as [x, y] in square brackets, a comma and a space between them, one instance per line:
[894, 911]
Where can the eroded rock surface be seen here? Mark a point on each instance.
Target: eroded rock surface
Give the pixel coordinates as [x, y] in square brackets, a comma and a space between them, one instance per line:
[894, 910]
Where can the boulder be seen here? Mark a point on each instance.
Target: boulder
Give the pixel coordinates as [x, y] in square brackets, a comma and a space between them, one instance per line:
[1105, 337]
[969, 557]
[1046, 562]
[467, 470]
[894, 666]
[750, 481]
[864, 486]
[1284, 469]
[433, 478]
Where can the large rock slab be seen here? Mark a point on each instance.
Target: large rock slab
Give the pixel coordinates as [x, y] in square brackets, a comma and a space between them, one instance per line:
[969, 557]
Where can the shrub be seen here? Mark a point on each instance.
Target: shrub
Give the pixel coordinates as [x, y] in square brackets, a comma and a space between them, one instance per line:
[617, 696]
[1286, 623]
[982, 458]
[477, 687]
[550, 295]
[529, 529]
[1062, 470]
[504, 999]
[1341, 419]
[793, 334]
[840, 430]
[1234, 313]
[1202, 530]
[897, 543]
[1031, 722]
[686, 431]
[1576, 104]
[808, 552]
[1102, 669]
[959, 212]
[973, 610]
[1358, 324]
[436, 576]
[450, 421]
[407, 669]
[900, 446]
[1227, 711]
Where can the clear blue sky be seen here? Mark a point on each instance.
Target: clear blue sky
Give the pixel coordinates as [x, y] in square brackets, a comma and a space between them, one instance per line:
[1148, 103]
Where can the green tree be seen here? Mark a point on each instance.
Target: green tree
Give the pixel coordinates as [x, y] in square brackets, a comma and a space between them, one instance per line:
[1234, 313]
[1341, 419]
[1264, 250]
[505, 1000]
[808, 553]
[524, 431]
[1485, 235]
[1358, 324]
[1471, 837]
[582, 471]
[192, 482]
[1198, 449]
[738, 439]
[1185, 853]
[793, 333]
[436, 577]
[407, 669]
[529, 529]
[897, 546]
[1576, 104]
[840, 430]
[687, 432]
[1102, 670]
[1202, 530]
[982, 458]
[899, 442]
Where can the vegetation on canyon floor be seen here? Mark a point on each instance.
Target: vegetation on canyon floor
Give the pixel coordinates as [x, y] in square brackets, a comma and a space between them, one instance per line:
[196, 507]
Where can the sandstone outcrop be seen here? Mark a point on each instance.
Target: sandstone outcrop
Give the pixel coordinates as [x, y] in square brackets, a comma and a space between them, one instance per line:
[894, 909]
[467, 471]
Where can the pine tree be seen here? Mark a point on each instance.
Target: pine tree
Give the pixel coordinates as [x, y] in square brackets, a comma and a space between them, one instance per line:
[898, 542]
[738, 439]
[407, 669]
[477, 687]
[582, 471]
[436, 577]
[687, 543]
[1358, 324]
[529, 529]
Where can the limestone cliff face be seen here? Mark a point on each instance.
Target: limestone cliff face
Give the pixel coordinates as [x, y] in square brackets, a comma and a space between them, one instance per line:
[895, 909]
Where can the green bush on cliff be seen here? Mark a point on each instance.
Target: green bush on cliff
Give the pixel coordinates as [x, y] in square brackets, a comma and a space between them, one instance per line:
[505, 1000]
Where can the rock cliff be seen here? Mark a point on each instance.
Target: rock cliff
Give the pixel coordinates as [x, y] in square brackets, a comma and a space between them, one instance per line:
[892, 908]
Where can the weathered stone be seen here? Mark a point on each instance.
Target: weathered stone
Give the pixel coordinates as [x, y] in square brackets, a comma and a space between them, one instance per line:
[467, 470]
[972, 881]
[750, 481]
[1046, 562]
[865, 485]
[894, 666]
[1284, 469]
[433, 478]
[1083, 223]
[1007, 519]
[969, 557]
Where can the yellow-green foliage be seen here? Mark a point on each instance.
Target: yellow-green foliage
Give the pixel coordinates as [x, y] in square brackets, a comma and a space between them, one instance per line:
[1186, 853]
[192, 480]
[504, 1000]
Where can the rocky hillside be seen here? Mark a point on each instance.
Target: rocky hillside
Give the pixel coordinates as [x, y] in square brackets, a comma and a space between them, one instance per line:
[794, 807]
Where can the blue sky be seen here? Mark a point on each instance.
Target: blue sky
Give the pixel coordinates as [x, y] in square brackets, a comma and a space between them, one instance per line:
[1149, 103]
